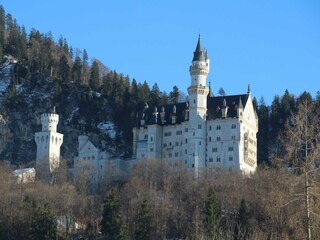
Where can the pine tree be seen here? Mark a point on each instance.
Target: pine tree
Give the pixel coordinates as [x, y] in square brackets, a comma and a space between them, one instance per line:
[85, 68]
[263, 137]
[43, 224]
[212, 216]
[13, 46]
[111, 224]
[144, 223]
[64, 68]
[94, 81]
[155, 95]
[221, 92]
[174, 95]
[77, 70]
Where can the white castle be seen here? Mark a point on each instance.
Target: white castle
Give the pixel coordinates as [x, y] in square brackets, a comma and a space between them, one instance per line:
[48, 143]
[204, 133]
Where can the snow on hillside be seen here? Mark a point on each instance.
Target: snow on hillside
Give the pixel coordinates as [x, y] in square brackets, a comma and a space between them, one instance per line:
[107, 128]
[5, 75]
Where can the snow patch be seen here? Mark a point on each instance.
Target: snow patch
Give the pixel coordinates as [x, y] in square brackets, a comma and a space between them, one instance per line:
[72, 114]
[107, 128]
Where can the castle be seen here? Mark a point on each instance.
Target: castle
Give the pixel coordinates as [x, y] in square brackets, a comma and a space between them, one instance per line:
[204, 132]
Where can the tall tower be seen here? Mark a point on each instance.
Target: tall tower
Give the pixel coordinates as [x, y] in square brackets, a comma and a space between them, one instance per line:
[48, 143]
[198, 92]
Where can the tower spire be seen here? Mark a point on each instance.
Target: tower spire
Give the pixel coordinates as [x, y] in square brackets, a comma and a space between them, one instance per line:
[198, 53]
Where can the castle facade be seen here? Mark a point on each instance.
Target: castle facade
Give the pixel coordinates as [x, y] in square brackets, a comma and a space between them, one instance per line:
[205, 132]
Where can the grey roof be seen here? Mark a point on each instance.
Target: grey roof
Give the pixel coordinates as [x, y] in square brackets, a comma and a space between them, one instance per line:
[214, 106]
[198, 54]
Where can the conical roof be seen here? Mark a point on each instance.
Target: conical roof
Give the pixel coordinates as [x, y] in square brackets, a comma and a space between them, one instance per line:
[198, 53]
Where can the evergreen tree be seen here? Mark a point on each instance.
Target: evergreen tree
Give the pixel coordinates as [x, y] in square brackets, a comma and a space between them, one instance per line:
[13, 46]
[64, 68]
[85, 68]
[111, 224]
[275, 116]
[94, 81]
[23, 45]
[144, 223]
[241, 231]
[155, 97]
[263, 136]
[43, 224]
[174, 95]
[287, 106]
[221, 92]
[77, 70]
[212, 216]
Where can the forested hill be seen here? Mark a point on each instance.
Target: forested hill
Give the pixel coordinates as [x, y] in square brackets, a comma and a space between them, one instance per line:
[37, 73]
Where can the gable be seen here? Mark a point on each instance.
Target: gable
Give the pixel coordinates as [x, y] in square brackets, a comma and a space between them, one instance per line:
[88, 147]
[249, 113]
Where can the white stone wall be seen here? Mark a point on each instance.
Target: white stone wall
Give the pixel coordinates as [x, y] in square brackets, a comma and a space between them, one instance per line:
[48, 143]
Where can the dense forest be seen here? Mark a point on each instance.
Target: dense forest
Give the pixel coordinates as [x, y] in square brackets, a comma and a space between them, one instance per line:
[159, 200]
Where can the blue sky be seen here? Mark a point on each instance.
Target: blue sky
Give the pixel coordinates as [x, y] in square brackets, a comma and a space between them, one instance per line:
[272, 45]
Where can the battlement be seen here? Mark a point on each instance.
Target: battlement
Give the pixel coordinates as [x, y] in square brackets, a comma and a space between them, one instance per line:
[49, 121]
[49, 117]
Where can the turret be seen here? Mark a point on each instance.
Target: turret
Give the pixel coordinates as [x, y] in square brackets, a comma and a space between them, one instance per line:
[198, 91]
[199, 68]
[48, 143]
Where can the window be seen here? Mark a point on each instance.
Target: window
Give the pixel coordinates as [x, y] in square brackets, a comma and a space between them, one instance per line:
[192, 165]
[176, 154]
[167, 134]
[194, 101]
[185, 151]
[209, 139]
[210, 159]
[200, 143]
[210, 128]
[233, 137]
[151, 139]
[186, 140]
[146, 136]
[218, 127]
[170, 155]
[230, 149]
[218, 138]
[214, 149]
[230, 158]
[199, 126]
[170, 144]
[186, 129]
[194, 133]
[151, 149]
[233, 126]
[93, 157]
[164, 144]
[218, 159]
[177, 143]
[179, 132]
[185, 161]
